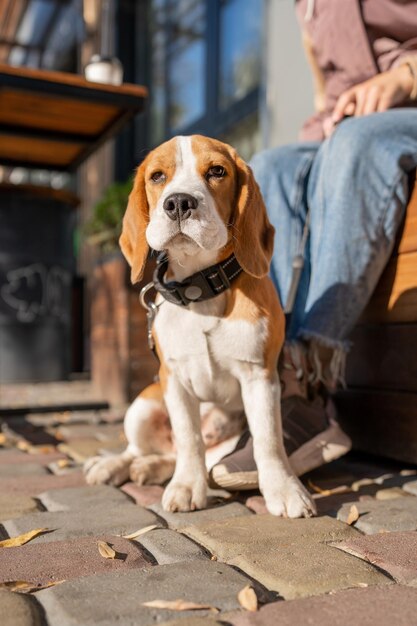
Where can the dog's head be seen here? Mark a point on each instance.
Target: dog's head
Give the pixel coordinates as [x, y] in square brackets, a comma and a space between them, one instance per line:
[192, 194]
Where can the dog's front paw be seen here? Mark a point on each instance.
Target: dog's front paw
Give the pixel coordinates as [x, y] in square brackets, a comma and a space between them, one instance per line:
[182, 496]
[289, 499]
[110, 470]
[153, 469]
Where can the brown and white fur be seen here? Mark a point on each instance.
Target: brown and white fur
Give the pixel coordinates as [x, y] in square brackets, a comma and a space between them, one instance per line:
[218, 357]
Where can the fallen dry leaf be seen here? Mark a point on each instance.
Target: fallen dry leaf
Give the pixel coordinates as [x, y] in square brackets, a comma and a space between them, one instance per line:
[140, 532]
[20, 540]
[247, 598]
[21, 586]
[23, 445]
[353, 515]
[328, 492]
[106, 550]
[61, 463]
[179, 605]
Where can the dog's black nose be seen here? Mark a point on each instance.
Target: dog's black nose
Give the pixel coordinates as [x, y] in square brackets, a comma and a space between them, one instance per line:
[180, 205]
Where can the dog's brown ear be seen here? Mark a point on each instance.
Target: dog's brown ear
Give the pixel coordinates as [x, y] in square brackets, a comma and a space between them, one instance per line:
[133, 238]
[253, 232]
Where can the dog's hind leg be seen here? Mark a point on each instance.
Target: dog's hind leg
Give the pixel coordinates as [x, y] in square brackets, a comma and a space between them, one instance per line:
[147, 432]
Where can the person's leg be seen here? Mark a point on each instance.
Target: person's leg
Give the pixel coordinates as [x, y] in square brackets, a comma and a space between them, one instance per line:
[282, 175]
[358, 191]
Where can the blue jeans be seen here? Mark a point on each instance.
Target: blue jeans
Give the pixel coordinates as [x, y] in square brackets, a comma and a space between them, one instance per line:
[356, 184]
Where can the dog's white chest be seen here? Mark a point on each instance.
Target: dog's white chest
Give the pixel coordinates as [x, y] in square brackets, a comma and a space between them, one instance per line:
[205, 351]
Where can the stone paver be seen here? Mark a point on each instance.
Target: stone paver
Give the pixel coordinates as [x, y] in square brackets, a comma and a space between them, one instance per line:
[183, 520]
[145, 495]
[375, 606]
[19, 610]
[395, 553]
[391, 493]
[71, 499]
[24, 469]
[379, 516]
[41, 564]
[116, 598]
[16, 457]
[168, 546]
[102, 432]
[119, 520]
[288, 556]
[16, 506]
[411, 487]
[81, 449]
[34, 485]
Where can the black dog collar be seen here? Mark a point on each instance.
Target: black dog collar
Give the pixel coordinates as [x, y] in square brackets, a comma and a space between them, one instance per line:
[198, 287]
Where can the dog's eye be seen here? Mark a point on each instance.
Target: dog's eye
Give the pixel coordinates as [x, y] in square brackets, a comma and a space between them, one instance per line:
[217, 171]
[158, 177]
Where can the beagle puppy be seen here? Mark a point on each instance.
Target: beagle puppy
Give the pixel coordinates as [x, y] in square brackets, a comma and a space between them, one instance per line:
[195, 199]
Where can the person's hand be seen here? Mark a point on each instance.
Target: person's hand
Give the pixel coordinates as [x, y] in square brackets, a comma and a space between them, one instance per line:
[380, 93]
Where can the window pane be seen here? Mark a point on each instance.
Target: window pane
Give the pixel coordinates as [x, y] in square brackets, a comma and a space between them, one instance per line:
[186, 62]
[245, 137]
[240, 49]
[158, 92]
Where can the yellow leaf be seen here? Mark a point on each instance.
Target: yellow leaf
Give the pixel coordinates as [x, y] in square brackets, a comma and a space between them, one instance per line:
[23, 445]
[179, 605]
[61, 463]
[106, 550]
[20, 540]
[22, 586]
[353, 515]
[247, 598]
[328, 492]
[140, 532]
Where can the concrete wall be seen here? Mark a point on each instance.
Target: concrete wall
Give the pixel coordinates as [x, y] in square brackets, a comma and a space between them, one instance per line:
[288, 89]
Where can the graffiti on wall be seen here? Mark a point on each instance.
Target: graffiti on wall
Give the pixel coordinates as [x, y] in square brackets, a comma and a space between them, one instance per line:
[35, 291]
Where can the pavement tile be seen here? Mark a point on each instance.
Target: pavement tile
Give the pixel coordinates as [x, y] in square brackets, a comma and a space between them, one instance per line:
[41, 564]
[183, 520]
[145, 495]
[116, 598]
[75, 498]
[169, 546]
[34, 485]
[16, 457]
[394, 553]
[391, 493]
[16, 506]
[17, 609]
[374, 606]
[102, 432]
[411, 487]
[24, 469]
[193, 621]
[118, 520]
[389, 515]
[81, 449]
[257, 504]
[288, 556]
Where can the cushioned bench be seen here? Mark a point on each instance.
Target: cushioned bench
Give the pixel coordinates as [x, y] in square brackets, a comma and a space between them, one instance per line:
[379, 407]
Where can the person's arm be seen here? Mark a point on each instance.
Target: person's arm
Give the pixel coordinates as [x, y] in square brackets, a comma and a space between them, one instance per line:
[379, 93]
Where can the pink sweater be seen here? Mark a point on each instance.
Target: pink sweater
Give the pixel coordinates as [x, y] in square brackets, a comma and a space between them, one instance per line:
[352, 41]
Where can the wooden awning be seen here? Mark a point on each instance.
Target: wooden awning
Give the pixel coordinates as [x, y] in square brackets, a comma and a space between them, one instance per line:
[54, 120]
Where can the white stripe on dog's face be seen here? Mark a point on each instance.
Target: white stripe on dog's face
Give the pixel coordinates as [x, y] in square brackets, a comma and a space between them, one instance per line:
[204, 229]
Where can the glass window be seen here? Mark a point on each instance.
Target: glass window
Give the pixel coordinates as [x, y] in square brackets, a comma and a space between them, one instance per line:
[158, 90]
[245, 137]
[240, 49]
[186, 62]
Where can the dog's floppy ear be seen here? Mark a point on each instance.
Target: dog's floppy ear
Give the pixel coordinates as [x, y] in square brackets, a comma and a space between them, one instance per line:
[133, 240]
[253, 233]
